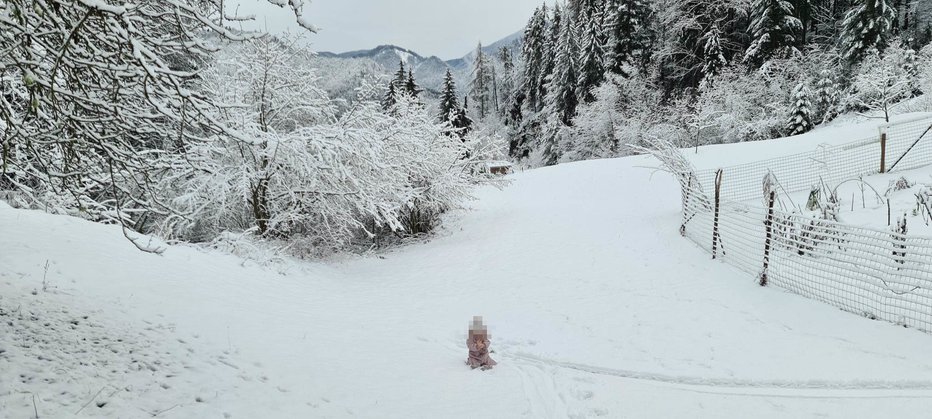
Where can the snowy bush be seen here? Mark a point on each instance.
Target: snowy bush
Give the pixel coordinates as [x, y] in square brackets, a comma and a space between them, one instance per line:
[595, 131]
[925, 76]
[882, 80]
[309, 179]
[741, 107]
[627, 110]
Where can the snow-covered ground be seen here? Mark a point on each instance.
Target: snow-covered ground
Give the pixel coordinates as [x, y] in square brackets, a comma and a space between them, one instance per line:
[846, 129]
[596, 306]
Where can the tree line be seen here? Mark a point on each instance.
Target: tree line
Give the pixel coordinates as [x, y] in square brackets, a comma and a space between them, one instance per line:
[593, 76]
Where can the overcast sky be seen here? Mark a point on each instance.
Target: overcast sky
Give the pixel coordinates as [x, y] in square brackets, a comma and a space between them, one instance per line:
[445, 28]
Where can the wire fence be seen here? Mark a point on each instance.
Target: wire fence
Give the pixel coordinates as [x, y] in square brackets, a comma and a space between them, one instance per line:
[898, 146]
[877, 273]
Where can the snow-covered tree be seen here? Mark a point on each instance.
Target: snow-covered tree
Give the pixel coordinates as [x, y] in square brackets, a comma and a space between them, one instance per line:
[535, 39]
[554, 25]
[880, 81]
[324, 183]
[398, 85]
[741, 107]
[391, 97]
[411, 86]
[110, 99]
[773, 28]
[562, 99]
[400, 79]
[448, 98]
[909, 60]
[626, 24]
[591, 66]
[713, 57]
[506, 84]
[271, 93]
[866, 26]
[595, 130]
[800, 121]
[827, 95]
[925, 74]
[687, 25]
[460, 121]
[482, 86]
[626, 113]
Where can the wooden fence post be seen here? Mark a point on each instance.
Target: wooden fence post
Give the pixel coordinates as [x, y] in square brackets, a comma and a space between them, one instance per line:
[718, 193]
[883, 152]
[768, 241]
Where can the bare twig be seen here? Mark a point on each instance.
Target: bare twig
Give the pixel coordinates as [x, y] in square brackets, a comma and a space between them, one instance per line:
[163, 411]
[91, 400]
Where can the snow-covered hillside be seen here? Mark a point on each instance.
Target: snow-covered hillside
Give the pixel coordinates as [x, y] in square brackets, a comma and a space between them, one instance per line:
[597, 308]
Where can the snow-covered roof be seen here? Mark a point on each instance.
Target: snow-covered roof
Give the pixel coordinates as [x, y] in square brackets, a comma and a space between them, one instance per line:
[498, 163]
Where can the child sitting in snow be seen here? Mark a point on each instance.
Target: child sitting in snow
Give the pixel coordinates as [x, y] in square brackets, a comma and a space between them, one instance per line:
[478, 344]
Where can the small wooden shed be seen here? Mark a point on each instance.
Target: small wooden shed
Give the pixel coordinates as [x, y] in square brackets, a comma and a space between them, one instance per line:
[500, 167]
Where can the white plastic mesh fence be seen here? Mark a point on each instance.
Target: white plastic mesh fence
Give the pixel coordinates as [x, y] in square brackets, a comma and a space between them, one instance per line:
[876, 273]
[872, 272]
[908, 145]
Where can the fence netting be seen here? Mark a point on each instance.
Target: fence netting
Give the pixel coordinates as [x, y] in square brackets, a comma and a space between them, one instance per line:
[876, 273]
[908, 145]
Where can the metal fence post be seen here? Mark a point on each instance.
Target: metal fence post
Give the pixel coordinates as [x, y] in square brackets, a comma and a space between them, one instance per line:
[718, 193]
[767, 242]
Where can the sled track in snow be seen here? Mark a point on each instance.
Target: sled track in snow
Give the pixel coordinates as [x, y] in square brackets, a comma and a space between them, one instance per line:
[725, 383]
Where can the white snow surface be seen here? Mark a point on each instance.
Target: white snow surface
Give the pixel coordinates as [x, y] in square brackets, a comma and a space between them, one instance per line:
[596, 306]
[847, 129]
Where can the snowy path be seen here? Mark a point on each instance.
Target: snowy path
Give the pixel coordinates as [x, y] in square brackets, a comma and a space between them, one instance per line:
[597, 308]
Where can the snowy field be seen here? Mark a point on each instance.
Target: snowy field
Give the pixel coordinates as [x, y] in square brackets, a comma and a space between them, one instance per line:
[596, 306]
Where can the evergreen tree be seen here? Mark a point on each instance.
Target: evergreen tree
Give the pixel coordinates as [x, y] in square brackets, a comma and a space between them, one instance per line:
[411, 87]
[483, 83]
[804, 11]
[774, 29]
[713, 57]
[562, 99]
[461, 121]
[626, 27]
[534, 46]
[526, 114]
[448, 102]
[591, 68]
[867, 25]
[398, 85]
[391, 98]
[688, 24]
[507, 83]
[800, 121]
[827, 95]
[550, 49]
[401, 77]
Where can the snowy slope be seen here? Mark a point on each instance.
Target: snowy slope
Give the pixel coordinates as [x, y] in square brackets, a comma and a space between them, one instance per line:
[596, 305]
[848, 129]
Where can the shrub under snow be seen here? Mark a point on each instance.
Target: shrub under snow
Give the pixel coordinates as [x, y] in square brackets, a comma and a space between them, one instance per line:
[308, 177]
